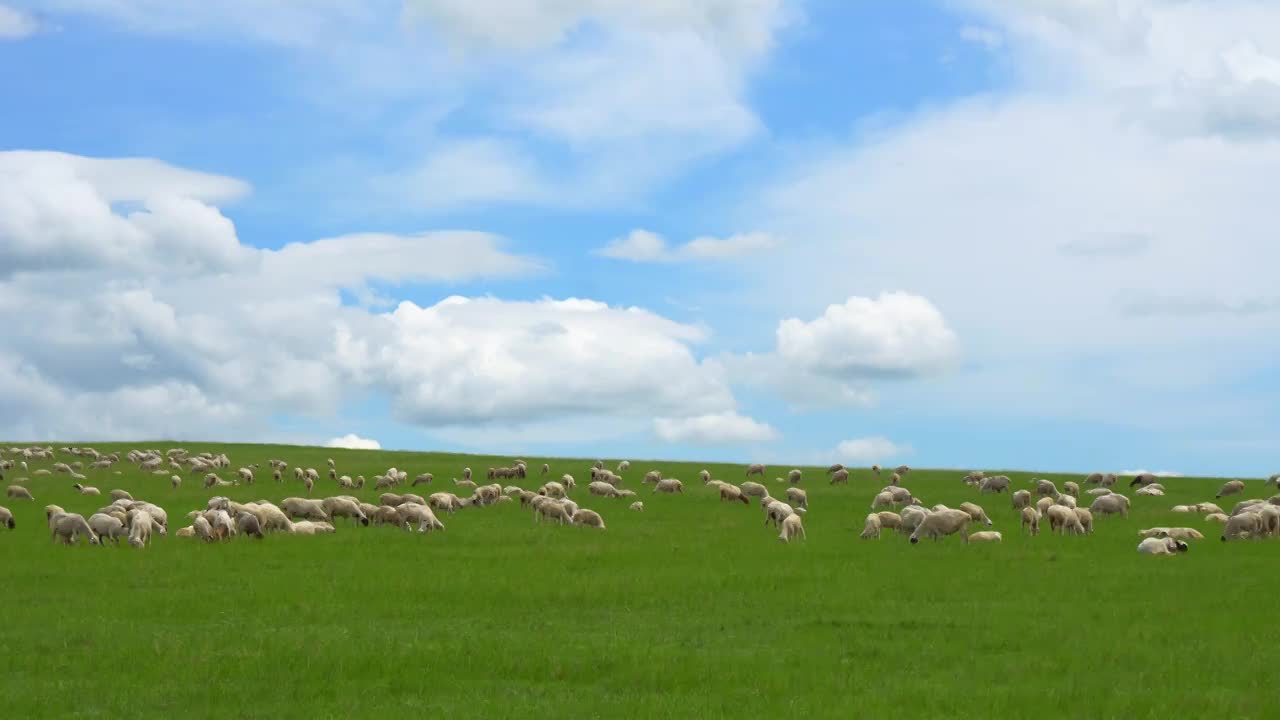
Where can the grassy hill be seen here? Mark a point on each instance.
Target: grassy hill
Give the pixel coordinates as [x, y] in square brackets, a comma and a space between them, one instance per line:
[692, 609]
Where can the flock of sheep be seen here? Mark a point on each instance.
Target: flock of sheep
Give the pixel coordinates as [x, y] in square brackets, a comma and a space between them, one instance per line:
[893, 508]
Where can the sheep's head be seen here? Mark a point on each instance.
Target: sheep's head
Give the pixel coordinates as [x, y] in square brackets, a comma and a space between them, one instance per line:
[1182, 547]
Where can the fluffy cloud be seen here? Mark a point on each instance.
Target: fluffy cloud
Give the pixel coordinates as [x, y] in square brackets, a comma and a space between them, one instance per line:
[15, 24]
[157, 321]
[875, 449]
[351, 441]
[1157, 473]
[724, 428]
[645, 246]
[832, 360]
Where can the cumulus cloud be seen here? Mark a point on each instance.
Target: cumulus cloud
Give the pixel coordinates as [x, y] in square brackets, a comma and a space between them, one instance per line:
[645, 246]
[724, 428]
[15, 24]
[351, 441]
[876, 449]
[1157, 473]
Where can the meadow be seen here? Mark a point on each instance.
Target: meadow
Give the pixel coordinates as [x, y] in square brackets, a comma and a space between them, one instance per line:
[691, 609]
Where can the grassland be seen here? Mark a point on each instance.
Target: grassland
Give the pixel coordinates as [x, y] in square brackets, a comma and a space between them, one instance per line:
[692, 609]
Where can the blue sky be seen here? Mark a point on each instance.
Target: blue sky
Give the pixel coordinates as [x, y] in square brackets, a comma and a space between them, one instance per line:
[956, 233]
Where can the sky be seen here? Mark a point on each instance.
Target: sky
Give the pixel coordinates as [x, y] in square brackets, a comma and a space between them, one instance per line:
[970, 234]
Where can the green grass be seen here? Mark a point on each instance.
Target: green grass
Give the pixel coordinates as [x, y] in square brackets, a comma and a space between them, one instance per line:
[692, 609]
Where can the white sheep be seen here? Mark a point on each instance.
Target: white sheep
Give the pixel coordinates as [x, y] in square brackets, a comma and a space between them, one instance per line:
[1232, 487]
[794, 476]
[86, 490]
[668, 485]
[798, 497]
[1086, 519]
[986, 536]
[1021, 499]
[732, 493]
[1154, 490]
[68, 527]
[1241, 526]
[637, 506]
[871, 527]
[1112, 504]
[1030, 520]
[6, 518]
[1177, 533]
[1099, 491]
[840, 475]
[589, 518]
[995, 483]
[1161, 546]
[18, 492]
[976, 512]
[792, 526]
[942, 523]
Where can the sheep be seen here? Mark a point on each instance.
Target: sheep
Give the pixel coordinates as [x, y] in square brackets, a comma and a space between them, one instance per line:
[900, 494]
[624, 466]
[86, 490]
[1150, 490]
[246, 475]
[653, 476]
[1086, 519]
[247, 524]
[986, 536]
[552, 489]
[1177, 533]
[890, 520]
[1099, 492]
[1207, 507]
[107, 527]
[446, 501]
[974, 478]
[976, 512]
[175, 481]
[1071, 489]
[1066, 501]
[17, 492]
[1109, 479]
[793, 477]
[120, 495]
[1043, 505]
[791, 527]
[1244, 505]
[602, 488]
[840, 476]
[568, 482]
[637, 506]
[755, 469]
[1021, 499]
[894, 479]
[875, 469]
[1216, 517]
[1182, 509]
[6, 518]
[1046, 488]
[1093, 478]
[422, 515]
[704, 476]
[1110, 505]
[422, 479]
[1231, 487]
[547, 468]
[336, 507]
[733, 493]
[1161, 546]
[307, 527]
[589, 518]
[1143, 479]
[552, 510]
[775, 511]
[1063, 520]
[835, 468]
[1030, 519]
[902, 470]
[939, 524]
[754, 489]
[995, 483]
[881, 500]
[871, 527]
[466, 473]
[669, 485]
[305, 508]
[798, 497]
[68, 527]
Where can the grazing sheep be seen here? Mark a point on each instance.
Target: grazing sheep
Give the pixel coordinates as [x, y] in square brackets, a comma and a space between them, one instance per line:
[977, 513]
[1030, 519]
[755, 469]
[624, 466]
[1093, 478]
[336, 507]
[1063, 520]
[466, 473]
[940, 524]
[669, 485]
[1066, 501]
[305, 508]
[1046, 488]
[1071, 489]
[754, 489]
[422, 515]
[637, 506]
[793, 477]
[1021, 499]
[1232, 487]
[1161, 546]
[589, 518]
[1043, 505]
[422, 479]
[552, 510]
[247, 524]
[871, 527]
[900, 494]
[704, 476]
[552, 489]
[875, 469]
[1143, 479]
[894, 479]
[17, 492]
[120, 495]
[835, 468]
[654, 476]
[986, 536]
[68, 527]
[995, 483]
[86, 490]
[792, 526]
[445, 501]
[603, 488]
[902, 470]
[202, 529]
[6, 518]
[1110, 505]
[1086, 519]
[890, 520]
[840, 476]
[775, 511]
[107, 527]
[733, 493]
[175, 481]
[569, 483]
[1109, 479]
[798, 497]
[882, 500]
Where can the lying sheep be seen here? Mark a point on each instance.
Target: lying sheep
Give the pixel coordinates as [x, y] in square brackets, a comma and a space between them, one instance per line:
[940, 524]
[1208, 507]
[1177, 533]
[986, 536]
[17, 492]
[86, 490]
[1099, 491]
[307, 527]
[1150, 490]
[1161, 546]
[1182, 509]
[1216, 517]
[637, 506]
[791, 527]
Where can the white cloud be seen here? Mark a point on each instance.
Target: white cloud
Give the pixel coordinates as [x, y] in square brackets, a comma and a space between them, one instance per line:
[724, 428]
[645, 246]
[351, 441]
[1157, 473]
[15, 24]
[877, 449]
[983, 36]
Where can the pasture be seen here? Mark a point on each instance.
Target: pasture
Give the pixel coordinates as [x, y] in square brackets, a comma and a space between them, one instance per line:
[691, 609]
